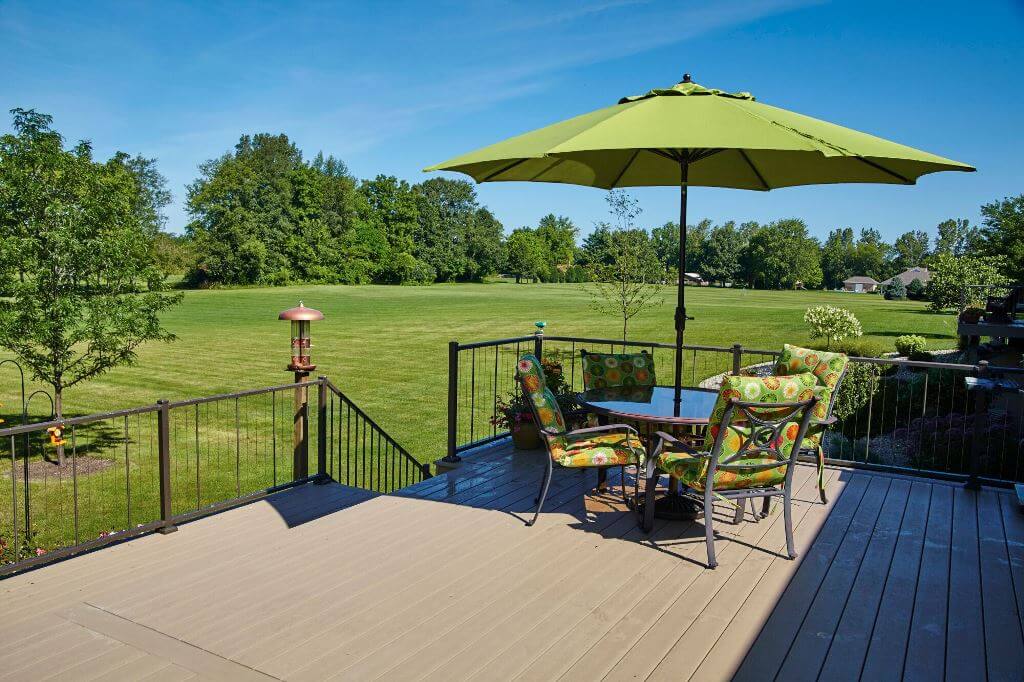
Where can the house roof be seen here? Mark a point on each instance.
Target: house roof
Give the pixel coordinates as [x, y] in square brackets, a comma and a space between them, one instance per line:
[860, 279]
[909, 275]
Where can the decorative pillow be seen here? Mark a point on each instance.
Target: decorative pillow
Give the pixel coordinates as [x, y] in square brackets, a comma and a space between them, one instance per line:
[827, 368]
[608, 370]
[796, 360]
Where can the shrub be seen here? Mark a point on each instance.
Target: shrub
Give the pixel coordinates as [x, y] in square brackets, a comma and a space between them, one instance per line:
[954, 281]
[894, 290]
[911, 346]
[916, 290]
[855, 347]
[832, 324]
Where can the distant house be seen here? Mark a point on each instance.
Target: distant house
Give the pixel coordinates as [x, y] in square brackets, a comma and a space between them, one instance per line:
[695, 278]
[908, 276]
[860, 284]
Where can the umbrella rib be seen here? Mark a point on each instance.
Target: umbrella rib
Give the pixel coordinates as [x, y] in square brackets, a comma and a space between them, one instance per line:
[491, 176]
[625, 168]
[750, 163]
[878, 166]
[551, 167]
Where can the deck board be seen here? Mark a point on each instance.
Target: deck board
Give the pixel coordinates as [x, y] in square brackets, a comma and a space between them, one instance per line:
[443, 581]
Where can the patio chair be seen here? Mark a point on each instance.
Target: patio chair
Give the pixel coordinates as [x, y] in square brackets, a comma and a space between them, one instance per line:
[748, 450]
[612, 370]
[829, 370]
[599, 447]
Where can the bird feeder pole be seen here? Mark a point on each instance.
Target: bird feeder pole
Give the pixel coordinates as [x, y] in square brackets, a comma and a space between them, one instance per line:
[301, 365]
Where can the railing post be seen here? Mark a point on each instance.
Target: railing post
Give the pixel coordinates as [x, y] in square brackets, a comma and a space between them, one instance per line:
[300, 428]
[737, 358]
[538, 340]
[453, 402]
[981, 393]
[163, 425]
[321, 430]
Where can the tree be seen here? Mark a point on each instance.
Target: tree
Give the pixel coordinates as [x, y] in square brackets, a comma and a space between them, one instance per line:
[832, 323]
[485, 252]
[665, 241]
[627, 285]
[559, 236]
[871, 256]
[1003, 233]
[526, 256]
[721, 262]
[392, 205]
[959, 283]
[624, 207]
[894, 289]
[837, 257]
[782, 253]
[916, 290]
[910, 250]
[957, 237]
[78, 312]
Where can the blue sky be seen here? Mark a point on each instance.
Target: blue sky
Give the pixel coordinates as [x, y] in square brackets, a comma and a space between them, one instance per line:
[391, 87]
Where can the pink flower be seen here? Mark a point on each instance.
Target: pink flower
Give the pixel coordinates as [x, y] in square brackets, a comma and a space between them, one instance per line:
[40, 551]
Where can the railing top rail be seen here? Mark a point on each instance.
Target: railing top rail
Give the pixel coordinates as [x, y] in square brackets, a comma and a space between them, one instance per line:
[143, 409]
[495, 342]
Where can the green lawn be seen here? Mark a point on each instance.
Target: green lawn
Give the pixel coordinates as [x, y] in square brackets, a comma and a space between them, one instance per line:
[386, 347]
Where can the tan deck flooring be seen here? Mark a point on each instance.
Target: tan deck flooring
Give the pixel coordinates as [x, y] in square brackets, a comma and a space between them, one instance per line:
[897, 578]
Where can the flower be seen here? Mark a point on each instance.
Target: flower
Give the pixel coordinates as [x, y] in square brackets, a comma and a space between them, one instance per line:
[524, 366]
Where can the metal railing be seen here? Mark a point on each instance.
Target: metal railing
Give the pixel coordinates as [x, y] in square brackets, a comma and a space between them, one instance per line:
[153, 467]
[894, 414]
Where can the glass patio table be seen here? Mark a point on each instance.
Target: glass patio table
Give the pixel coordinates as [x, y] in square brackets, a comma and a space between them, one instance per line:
[653, 409]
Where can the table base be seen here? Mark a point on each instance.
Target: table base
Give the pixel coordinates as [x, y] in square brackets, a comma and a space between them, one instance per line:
[675, 507]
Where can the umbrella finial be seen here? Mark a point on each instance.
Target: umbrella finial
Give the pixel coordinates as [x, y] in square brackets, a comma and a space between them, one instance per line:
[686, 78]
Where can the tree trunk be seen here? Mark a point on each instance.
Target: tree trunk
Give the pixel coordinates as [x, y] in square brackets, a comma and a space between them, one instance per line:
[58, 409]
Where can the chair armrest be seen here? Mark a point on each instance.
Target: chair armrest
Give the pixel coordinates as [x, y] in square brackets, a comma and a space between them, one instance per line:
[607, 427]
[676, 443]
[827, 421]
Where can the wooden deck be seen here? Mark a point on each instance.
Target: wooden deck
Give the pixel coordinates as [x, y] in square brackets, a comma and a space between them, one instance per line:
[897, 578]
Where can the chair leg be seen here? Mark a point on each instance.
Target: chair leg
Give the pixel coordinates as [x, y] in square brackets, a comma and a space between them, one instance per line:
[602, 479]
[543, 491]
[740, 509]
[788, 511]
[765, 506]
[625, 495]
[709, 533]
[821, 476]
[652, 483]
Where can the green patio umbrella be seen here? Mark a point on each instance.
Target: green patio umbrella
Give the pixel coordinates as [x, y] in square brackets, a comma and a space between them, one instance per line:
[690, 135]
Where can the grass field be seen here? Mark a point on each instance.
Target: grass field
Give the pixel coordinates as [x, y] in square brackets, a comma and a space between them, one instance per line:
[386, 347]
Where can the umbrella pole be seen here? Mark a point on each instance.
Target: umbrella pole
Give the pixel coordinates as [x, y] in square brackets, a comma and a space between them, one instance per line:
[684, 168]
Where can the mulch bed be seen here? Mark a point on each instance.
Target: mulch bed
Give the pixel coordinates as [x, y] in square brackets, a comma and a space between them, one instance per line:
[41, 469]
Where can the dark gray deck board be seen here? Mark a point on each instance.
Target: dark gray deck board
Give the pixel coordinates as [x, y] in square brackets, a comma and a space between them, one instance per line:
[888, 646]
[965, 631]
[849, 645]
[926, 647]
[769, 651]
[1004, 642]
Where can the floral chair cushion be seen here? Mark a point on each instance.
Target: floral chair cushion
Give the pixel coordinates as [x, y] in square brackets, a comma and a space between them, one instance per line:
[542, 401]
[608, 370]
[740, 472]
[597, 449]
[828, 369]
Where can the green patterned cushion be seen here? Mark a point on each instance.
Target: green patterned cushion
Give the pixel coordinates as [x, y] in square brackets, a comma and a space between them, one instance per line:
[826, 367]
[742, 473]
[597, 449]
[542, 400]
[608, 370]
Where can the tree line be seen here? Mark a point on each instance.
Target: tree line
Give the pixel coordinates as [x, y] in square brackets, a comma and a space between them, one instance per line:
[263, 214]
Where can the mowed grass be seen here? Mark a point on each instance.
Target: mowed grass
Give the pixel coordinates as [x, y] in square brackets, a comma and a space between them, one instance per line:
[386, 347]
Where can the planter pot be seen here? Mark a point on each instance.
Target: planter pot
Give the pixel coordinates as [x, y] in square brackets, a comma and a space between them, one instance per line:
[526, 437]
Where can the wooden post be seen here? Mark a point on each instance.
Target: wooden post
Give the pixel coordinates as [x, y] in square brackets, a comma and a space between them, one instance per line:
[163, 425]
[737, 358]
[321, 430]
[453, 402]
[300, 429]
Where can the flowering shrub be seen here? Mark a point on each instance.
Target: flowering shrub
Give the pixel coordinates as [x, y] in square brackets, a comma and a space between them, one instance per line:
[831, 323]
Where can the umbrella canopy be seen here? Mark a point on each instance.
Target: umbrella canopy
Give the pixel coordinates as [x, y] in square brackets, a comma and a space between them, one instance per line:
[729, 139]
[690, 135]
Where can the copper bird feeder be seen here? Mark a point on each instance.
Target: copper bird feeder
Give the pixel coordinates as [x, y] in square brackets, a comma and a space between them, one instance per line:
[300, 317]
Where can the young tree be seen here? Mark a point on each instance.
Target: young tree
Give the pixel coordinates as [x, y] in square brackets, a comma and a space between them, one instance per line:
[959, 283]
[894, 290]
[627, 285]
[78, 312]
[1003, 233]
[526, 256]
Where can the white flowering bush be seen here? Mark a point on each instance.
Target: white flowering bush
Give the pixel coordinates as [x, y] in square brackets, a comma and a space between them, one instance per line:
[832, 323]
